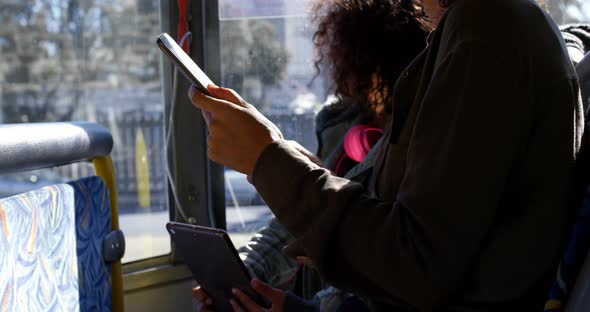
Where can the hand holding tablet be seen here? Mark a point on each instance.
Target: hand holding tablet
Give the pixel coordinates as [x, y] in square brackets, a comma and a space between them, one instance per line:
[214, 262]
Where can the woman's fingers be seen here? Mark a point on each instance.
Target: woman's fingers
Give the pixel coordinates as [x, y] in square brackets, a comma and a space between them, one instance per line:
[236, 306]
[226, 94]
[202, 296]
[246, 301]
[204, 302]
[241, 301]
[266, 291]
[209, 103]
[275, 296]
[238, 133]
[199, 294]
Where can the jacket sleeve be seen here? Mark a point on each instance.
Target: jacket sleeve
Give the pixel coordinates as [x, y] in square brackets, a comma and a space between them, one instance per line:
[577, 40]
[472, 124]
[264, 257]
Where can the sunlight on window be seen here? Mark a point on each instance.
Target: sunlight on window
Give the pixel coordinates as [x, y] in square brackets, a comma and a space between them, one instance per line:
[267, 56]
[94, 60]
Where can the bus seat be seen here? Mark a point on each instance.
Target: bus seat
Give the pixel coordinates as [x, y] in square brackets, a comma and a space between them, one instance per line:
[60, 247]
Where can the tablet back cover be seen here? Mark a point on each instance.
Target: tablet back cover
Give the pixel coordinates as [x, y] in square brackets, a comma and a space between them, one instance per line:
[214, 262]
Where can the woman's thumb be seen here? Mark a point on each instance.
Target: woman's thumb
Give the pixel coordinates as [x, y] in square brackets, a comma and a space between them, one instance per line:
[225, 94]
[266, 291]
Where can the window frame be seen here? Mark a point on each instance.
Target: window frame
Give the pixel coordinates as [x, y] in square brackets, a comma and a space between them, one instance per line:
[201, 195]
[198, 193]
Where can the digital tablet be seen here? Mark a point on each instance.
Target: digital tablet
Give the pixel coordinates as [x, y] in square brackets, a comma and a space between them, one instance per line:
[214, 262]
[183, 62]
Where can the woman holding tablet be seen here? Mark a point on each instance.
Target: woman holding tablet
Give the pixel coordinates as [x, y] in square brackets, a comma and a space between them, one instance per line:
[471, 197]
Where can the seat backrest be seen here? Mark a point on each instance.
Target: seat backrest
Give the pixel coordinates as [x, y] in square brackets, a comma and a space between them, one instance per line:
[51, 249]
[93, 224]
[38, 262]
[43, 145]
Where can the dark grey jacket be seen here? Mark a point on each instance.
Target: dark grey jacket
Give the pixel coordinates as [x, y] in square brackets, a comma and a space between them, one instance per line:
[473, 190]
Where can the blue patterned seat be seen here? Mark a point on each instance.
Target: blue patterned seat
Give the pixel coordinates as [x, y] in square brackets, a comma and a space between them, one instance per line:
[51, 248]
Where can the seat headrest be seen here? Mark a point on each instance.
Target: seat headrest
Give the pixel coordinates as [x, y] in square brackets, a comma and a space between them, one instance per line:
[41, 145]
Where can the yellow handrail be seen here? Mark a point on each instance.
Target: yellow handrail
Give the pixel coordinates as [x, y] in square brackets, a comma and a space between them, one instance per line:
[106, 170]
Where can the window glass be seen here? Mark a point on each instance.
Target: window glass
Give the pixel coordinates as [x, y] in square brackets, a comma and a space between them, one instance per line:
[267, 56]
[92, 60]
[569, 11]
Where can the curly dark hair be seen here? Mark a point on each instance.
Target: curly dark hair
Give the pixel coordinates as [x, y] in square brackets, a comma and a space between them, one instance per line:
[356, 39]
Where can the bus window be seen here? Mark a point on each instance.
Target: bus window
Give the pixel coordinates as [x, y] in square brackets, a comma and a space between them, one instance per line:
[267, 57]
[569, 11]
[95, 61]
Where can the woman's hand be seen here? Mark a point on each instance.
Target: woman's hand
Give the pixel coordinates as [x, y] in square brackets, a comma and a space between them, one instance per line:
[204, 302]
[242, 303]
[238, 132]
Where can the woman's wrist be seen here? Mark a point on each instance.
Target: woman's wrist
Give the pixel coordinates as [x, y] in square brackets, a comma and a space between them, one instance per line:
[263, 159]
